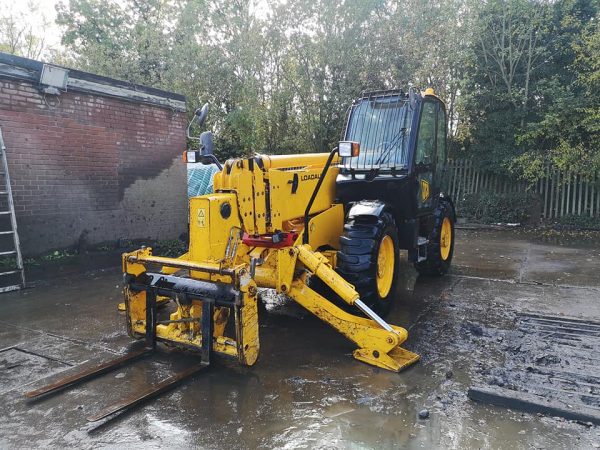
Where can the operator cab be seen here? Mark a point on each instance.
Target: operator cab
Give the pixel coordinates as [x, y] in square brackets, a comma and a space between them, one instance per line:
[401, 151]
[381, 125]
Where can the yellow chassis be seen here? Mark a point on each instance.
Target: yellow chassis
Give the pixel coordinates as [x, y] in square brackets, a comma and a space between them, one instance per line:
[254, 199]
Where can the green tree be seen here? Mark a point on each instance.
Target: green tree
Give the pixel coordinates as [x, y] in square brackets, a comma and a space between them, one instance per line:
[527, 97]
[131, 39]
[508, 53]
[566, 132]
[519, 76]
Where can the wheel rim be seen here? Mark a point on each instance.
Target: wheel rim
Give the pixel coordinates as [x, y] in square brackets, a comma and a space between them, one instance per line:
[446, 239]
[385, 266]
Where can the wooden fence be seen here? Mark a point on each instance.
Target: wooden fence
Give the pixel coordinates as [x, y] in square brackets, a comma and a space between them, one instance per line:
[561, 193]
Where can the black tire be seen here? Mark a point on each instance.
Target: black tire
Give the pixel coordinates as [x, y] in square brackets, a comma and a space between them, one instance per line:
[435, 264]
[358, 255]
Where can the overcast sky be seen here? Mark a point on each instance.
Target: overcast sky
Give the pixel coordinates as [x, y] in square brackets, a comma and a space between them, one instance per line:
[46, 12]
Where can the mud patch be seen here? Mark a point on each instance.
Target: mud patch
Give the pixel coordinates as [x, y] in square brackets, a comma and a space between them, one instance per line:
[552, 367]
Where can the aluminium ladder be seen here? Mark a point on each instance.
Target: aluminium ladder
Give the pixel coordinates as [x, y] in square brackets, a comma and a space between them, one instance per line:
[6, 199]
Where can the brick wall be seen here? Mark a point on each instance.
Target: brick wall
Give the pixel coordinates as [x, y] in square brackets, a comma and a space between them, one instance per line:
[92, 168]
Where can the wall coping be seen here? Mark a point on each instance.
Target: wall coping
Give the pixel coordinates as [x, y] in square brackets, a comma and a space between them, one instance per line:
[18, 68]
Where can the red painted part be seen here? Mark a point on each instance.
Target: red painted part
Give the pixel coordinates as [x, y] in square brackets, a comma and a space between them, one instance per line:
[266, 240]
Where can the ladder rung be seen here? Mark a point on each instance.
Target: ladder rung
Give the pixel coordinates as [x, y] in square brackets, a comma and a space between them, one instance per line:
[14, 287]
[10, 272]
[6, 193]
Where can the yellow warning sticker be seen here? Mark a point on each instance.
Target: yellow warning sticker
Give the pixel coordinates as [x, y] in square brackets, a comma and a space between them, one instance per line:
[202, 217]
[424, 190]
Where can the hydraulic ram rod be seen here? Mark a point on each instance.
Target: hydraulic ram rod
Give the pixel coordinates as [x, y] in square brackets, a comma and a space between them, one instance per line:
[373, 316]
[319, 265]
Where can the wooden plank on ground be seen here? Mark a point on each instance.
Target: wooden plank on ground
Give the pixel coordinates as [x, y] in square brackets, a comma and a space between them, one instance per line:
[531, 403]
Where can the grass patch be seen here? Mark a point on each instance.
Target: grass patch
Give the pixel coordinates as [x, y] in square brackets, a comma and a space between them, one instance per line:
[492, 207]
[171, 248]
[580, 222]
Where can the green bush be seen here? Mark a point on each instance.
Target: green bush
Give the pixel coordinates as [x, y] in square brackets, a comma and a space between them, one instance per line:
[172, 248]
[491, 207]
[582, 221]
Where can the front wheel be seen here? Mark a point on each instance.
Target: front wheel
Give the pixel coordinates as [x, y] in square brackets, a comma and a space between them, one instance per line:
[368, 259]
[440, 248]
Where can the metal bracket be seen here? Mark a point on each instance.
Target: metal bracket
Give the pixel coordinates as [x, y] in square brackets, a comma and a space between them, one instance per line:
[151, 318]
[207, 331]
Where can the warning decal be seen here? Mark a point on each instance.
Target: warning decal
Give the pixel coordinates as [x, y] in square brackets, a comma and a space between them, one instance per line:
[202, 217]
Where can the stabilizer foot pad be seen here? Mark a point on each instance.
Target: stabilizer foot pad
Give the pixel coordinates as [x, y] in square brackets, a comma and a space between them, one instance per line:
[396, 359]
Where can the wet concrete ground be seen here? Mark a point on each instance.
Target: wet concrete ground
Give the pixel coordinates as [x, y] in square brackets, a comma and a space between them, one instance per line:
[306, 391]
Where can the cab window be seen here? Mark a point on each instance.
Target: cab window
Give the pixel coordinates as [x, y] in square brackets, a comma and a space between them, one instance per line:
[441, 139]
[426, 139]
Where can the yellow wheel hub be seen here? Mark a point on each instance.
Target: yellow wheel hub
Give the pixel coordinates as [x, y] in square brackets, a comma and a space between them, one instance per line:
[446, 239]
[385, 266]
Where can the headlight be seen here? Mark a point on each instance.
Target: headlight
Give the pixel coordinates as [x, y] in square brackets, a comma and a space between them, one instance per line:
[348, 149]
[190, 156]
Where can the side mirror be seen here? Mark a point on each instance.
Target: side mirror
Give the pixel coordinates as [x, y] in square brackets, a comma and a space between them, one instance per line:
[201, 114]
[199, 117]
[206, 143]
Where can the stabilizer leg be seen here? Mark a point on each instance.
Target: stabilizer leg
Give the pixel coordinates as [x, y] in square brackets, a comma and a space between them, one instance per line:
[246, 323]
[377, 346]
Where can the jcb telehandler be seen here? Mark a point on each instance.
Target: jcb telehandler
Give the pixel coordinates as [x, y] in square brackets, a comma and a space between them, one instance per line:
[319, 228]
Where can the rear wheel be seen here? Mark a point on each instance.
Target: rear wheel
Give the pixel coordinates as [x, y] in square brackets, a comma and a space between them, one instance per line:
[440, 248]
[368, 259]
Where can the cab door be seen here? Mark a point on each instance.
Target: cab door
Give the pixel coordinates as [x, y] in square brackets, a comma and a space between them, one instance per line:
[439, 177]
[425, 154]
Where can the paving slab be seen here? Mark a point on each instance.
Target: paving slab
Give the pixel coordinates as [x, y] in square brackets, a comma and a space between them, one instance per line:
[579, 266]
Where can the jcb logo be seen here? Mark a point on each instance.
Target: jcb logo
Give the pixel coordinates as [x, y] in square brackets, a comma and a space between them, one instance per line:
[424, 190]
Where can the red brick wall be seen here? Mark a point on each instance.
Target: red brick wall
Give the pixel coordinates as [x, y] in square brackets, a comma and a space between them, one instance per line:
[92, 168]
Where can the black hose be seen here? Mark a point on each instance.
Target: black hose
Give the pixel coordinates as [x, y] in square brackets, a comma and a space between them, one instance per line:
[315, 192]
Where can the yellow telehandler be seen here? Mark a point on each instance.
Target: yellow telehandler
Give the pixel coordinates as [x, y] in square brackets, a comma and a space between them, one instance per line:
[319, 228]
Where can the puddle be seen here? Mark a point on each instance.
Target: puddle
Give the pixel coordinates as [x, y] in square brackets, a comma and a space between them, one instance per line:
[19, 366]
[306, 391]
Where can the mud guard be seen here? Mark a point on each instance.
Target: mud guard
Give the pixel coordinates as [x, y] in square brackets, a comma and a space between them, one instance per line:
[367, 208]
[447, 198]
[408, 230]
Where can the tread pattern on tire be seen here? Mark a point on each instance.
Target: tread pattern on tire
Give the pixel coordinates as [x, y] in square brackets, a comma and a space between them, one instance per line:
[357, 258]
[434, 265]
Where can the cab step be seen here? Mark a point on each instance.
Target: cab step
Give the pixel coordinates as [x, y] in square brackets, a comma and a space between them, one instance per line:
[422, 248]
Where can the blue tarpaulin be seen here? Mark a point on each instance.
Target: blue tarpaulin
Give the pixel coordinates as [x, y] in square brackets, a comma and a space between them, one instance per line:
[200, 179]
